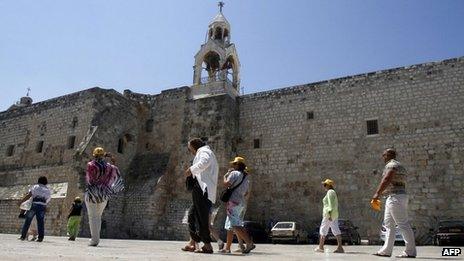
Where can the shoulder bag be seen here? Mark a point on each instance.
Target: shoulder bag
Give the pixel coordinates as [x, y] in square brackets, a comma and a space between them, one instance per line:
[227, 193]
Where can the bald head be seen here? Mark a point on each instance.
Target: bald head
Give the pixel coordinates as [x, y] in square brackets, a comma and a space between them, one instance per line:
[389, 154]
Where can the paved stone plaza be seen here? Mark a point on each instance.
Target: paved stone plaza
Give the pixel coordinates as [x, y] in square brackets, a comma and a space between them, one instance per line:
[59, 248]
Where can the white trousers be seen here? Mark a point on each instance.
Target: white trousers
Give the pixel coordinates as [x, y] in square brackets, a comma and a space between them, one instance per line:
[326, 224]
[95, 211]
[396, 214]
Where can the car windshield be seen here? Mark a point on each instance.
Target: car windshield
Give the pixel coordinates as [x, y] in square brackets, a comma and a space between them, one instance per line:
[284, 225]
[451, 223]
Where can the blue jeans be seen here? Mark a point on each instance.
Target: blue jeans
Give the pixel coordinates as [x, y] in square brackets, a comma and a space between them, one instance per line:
[39, 212]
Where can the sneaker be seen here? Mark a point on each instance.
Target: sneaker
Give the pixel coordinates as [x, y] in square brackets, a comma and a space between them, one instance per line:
[72, 239]
[317, 249]
[21, 238]
[40, 240]
[33, 238]
[93, 244]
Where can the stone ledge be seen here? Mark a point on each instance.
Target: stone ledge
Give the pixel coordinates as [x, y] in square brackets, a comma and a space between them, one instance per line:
[59, 190]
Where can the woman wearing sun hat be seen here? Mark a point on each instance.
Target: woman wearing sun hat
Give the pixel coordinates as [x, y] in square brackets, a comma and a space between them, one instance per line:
[329, 217]
[100, 176]
[237, 179]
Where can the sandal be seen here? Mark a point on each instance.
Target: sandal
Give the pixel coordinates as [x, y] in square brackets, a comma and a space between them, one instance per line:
[188, 248]
[224, 251]
[404, 255]
[382, 255]
[249, 248]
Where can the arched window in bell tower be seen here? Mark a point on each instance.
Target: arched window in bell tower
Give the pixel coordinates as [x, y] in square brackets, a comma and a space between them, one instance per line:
[230, 70]
[226, 35]
[210, 33]
[218, 33]
[210, 67]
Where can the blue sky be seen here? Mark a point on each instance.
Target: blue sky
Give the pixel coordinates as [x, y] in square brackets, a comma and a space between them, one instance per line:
[60, 47]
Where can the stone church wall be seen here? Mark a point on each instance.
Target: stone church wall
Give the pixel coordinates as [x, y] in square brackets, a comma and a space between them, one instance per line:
[311, 132]
[53, 122]
[302, 134]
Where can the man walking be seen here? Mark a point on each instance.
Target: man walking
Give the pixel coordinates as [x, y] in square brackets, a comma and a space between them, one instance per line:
[393, 185]
[204, 171]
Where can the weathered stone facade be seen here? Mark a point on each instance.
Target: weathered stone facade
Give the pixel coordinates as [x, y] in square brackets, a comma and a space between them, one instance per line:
[292, 138]
[419, 112]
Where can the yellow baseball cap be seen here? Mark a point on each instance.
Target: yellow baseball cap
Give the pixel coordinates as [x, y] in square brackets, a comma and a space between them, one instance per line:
[328, 182]
[238, 160]
[98, 152]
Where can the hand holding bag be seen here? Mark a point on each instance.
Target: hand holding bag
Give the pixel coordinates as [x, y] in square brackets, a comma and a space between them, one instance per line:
[227, 193]
[24, 207]
[190, 182]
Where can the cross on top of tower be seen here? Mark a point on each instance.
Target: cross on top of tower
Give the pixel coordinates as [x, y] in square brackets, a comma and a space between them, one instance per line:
[221, 5]
[28, 91]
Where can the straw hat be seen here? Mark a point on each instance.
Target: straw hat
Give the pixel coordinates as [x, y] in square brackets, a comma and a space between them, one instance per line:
[98, 152]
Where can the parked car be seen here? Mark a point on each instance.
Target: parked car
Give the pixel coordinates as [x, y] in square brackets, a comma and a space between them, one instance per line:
[289, 231]
[350, 234]
[256, 231]
[398, 237]
[450, 232]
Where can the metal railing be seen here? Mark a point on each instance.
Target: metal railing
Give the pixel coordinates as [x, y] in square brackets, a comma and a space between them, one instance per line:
[216, 78]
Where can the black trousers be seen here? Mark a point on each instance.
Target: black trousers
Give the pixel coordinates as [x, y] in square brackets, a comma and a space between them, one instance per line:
[199, 213]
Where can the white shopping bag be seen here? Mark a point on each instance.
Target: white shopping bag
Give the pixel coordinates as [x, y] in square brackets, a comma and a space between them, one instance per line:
[26, 205]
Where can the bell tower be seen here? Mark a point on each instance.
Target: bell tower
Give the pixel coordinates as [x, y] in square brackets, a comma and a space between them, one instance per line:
[217, 67]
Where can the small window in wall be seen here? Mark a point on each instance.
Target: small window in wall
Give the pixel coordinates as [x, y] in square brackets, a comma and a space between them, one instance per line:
[149, 125]
[10, 151]
[121, 145]
[372, 127]
[71, 142]
[309, 115]
[74, 122]
[39, 147]
[256, 144]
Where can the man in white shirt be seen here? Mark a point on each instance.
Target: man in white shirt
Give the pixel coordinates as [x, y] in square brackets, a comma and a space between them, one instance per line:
[204, 171]
[40, 195]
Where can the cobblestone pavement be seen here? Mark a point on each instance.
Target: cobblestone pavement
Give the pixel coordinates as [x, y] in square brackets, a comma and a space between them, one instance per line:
[59, 248]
